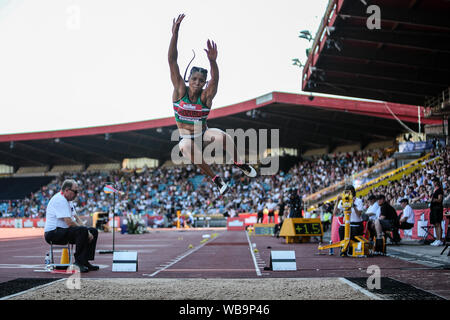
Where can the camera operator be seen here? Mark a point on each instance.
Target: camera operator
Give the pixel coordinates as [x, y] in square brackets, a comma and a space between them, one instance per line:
[356, 221]
[295, 204]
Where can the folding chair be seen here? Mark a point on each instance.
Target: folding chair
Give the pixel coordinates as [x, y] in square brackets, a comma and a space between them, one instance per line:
[54, 265]
[447, 241]
[427, 230]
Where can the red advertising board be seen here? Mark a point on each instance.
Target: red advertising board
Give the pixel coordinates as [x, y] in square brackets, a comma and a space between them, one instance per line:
[236, 224]
[7, 223]
[422, 220]
[22, 223]
[251, 218]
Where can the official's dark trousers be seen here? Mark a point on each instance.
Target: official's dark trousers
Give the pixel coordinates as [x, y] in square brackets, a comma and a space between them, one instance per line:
[260, 217]
[84, 250]
[356, 229]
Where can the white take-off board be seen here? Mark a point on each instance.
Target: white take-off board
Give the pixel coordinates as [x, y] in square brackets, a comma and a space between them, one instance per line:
[125, 261]
[283, 261]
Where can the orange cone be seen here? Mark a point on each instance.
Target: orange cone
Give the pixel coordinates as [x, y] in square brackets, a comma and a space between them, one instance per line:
[65, 256]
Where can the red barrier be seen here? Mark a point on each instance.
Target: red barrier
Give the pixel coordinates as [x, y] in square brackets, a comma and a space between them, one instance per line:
[335, 224]
[22, 223]
[422, 219]
[251, 218]
[7, 223]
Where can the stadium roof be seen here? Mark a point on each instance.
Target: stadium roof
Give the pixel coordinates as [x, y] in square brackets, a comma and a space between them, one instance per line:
[406, 61]
[304, 123]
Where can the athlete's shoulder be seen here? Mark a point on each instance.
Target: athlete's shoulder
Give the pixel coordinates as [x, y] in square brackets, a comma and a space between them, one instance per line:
[182, 93]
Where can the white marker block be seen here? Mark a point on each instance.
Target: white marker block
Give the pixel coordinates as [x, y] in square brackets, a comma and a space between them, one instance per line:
[283, 261]
[125, 261]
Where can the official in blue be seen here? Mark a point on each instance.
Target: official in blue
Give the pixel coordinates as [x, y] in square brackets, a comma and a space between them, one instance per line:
[63, 226]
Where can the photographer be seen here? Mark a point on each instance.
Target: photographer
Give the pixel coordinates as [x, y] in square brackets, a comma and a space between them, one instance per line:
[295, 205]
[281, 216]
[356, 221]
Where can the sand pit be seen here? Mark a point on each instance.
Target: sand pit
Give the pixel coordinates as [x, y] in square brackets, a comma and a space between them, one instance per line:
[199, 289]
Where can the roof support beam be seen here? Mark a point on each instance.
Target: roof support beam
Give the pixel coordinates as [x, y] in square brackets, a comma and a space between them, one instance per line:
[350, 127]
[384, 86]
[25, 158]
[71, 145]
[305, 134]
[437, 62]
[403, 39]
[416, 18]
[393, 73]
[367, 93]
[60, 155]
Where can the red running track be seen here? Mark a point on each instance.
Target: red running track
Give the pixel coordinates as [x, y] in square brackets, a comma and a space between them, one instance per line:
[166, 254]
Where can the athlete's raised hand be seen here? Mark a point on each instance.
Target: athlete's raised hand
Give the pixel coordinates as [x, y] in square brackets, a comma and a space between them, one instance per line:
[211, 51]
[176, 23]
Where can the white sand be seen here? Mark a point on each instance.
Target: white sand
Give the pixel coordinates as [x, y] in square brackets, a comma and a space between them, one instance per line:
[199, 289]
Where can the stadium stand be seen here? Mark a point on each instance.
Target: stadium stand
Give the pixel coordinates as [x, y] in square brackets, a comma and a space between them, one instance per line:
[28, 171]
[67, 168]
[19, 188]
[169, 188]
[106, 167]
[161, 192]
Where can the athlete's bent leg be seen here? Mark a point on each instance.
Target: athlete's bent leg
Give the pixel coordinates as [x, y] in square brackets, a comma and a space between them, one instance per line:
[220, 137]
[191, 151]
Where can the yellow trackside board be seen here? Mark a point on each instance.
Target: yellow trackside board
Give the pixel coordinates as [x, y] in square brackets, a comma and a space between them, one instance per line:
[301, 227]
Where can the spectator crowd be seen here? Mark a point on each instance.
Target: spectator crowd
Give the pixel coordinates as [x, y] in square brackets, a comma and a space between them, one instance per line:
[165, 190]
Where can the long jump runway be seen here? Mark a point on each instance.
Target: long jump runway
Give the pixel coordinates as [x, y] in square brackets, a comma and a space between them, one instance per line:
[216, 264]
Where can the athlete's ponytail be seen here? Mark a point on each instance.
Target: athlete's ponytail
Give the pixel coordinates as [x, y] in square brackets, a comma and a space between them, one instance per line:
[184, 77]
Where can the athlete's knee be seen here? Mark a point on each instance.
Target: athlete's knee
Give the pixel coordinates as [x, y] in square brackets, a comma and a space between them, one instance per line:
[185, 146]
[214, 134]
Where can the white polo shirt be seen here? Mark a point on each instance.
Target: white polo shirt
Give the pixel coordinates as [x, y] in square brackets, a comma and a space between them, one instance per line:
[58, 208]
[409, 213]
[271, 206]
[375, 208]
[359, 205]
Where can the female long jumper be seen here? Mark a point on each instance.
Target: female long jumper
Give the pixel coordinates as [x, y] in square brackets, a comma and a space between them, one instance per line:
[192, 105]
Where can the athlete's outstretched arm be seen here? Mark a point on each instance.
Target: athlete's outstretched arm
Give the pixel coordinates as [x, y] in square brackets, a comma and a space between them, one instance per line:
[211, 90]
[175, 76]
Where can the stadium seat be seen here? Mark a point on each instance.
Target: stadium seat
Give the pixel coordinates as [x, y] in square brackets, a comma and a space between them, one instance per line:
[69, 248]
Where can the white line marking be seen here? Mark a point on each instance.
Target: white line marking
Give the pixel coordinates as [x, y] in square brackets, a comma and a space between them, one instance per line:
[21, 266]
[32, 289]
[358, 288]
[258, 272]
[179, 258]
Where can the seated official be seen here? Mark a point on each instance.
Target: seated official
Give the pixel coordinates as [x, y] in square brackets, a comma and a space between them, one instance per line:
[388, 221]
[372, 214]
[373, 211]
[406, 221]
[356, 221]
[63, 226]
